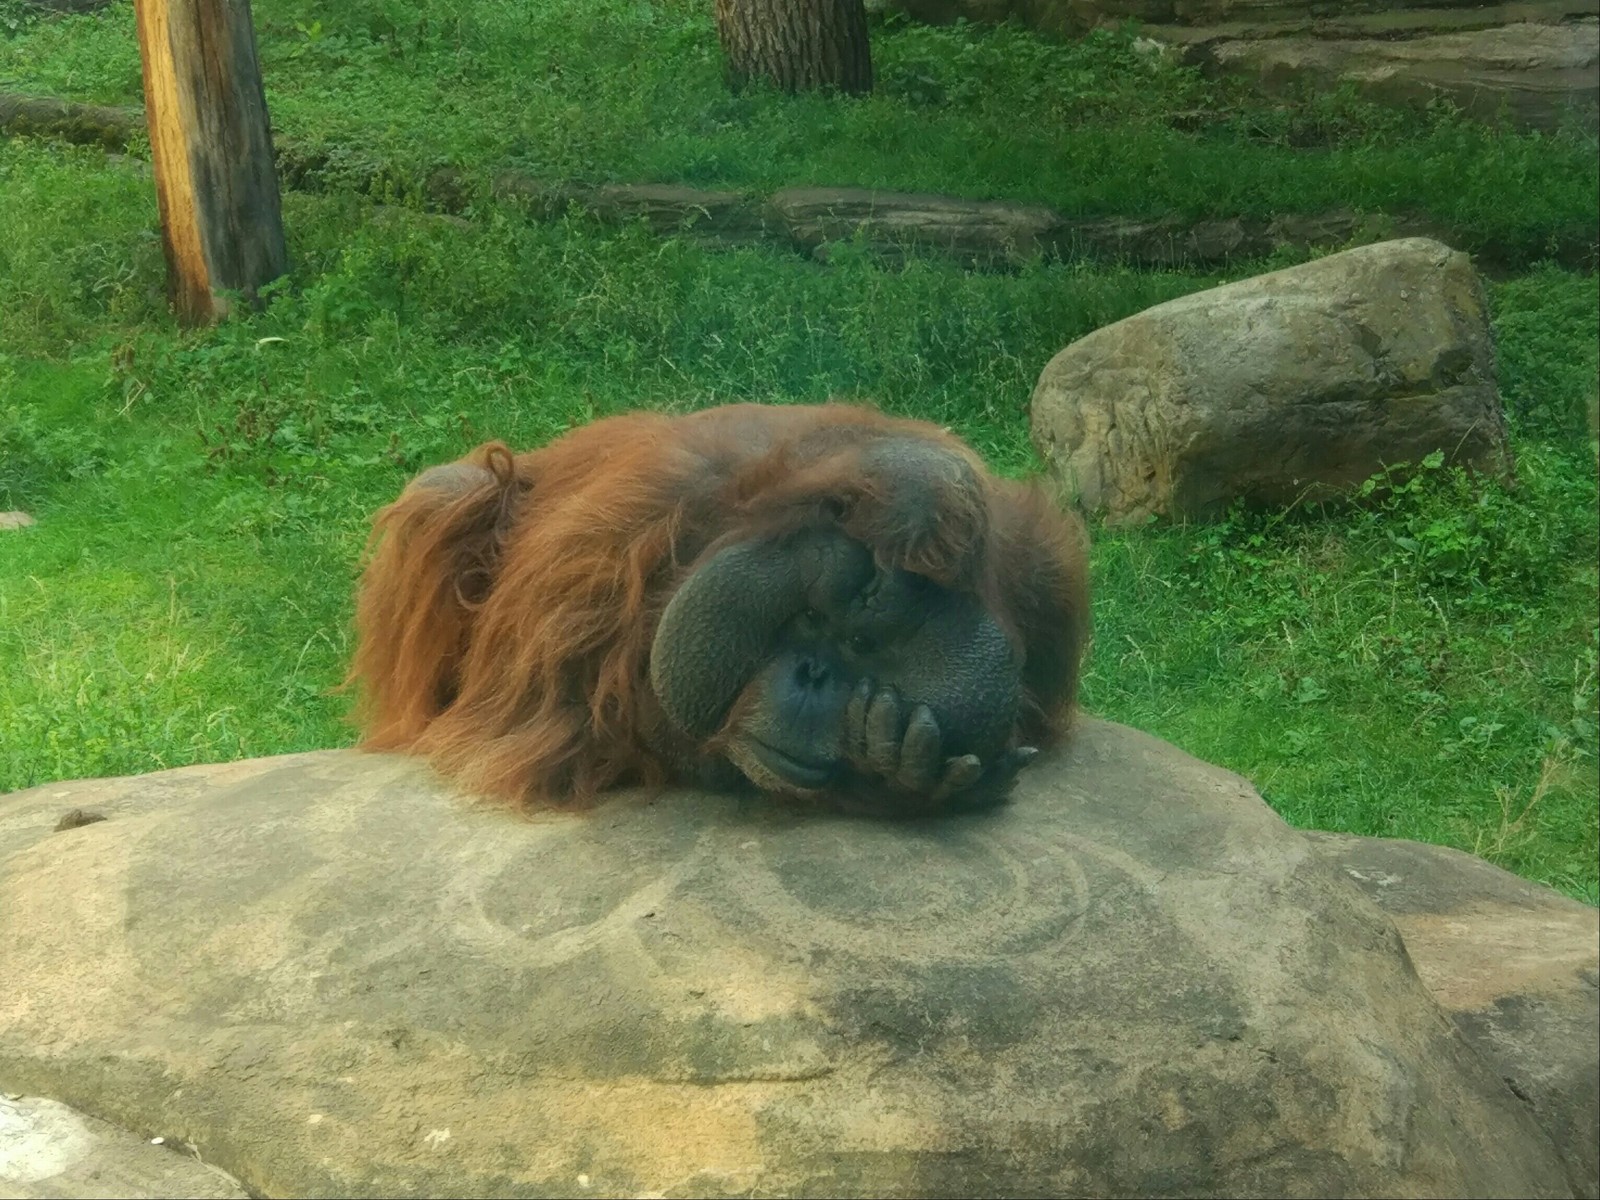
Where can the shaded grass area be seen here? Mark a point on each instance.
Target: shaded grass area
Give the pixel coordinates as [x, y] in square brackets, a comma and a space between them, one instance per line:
[631, 91]
[1426, 669]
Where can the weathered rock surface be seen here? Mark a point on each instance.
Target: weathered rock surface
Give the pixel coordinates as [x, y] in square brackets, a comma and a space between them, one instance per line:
[329, 976]
[1383, 21]
[1512, 963]
[1296, 384]
[1188, 22]
[1533, 59]
[15, 520]
[1540, 76]
[50, 1152]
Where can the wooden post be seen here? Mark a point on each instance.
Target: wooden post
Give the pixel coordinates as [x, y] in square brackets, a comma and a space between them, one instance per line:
[221, 223]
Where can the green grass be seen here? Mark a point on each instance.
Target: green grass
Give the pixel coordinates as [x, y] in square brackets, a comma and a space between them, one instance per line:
[1422, 669]
[1426, 670]
[631, 90]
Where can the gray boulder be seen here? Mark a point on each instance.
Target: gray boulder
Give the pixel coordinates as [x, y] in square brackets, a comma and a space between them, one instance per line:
[326, 974]
[1298, 384]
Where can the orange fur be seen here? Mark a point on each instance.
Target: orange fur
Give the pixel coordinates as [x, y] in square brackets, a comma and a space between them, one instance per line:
[505, 620]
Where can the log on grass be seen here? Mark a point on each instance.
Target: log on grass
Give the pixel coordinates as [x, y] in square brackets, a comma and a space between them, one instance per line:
[86, 124]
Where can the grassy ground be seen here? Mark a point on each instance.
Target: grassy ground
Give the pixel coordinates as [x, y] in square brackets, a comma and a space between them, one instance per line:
[1426, 669]
[631, 90]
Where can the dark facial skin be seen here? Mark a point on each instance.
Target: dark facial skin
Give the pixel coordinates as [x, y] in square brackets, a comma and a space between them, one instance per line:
[792, 720]
[878, 689]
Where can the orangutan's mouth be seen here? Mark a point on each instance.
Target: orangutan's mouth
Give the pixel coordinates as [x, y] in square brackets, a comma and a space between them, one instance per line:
[793, 770]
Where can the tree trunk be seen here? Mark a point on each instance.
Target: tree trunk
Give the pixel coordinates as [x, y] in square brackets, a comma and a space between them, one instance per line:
[799, 45]
[211, 148]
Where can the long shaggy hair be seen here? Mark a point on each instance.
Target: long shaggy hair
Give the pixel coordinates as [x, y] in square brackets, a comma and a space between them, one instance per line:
[509, 601]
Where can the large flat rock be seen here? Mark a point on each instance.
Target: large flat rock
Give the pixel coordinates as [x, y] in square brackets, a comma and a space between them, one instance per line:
[1195, 22]
[50, 1152]
[1539, 76]
[1515, 965]
[326, 974]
